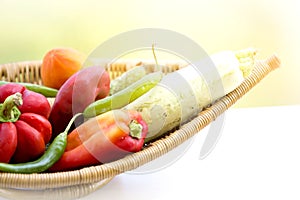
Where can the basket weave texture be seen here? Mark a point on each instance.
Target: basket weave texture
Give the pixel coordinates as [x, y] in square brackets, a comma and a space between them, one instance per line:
[30, 72]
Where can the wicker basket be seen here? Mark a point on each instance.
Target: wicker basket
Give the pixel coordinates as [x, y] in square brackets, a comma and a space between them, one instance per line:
[86, 177]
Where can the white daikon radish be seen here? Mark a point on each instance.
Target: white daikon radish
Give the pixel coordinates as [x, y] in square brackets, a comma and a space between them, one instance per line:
[181, 95]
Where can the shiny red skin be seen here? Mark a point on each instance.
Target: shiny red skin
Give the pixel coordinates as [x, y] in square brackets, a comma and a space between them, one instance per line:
[9, 89]
[109, 143]
[35, 103]
[8, 141]
[80, 90]
[25, 139]
[31, 144]
[32, 102]
[128, 143]
[39, 123]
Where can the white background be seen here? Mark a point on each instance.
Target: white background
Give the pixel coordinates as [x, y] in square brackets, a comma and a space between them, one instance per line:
[257, 157]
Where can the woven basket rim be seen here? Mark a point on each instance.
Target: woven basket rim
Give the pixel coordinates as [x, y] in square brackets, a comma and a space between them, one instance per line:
[98, 173]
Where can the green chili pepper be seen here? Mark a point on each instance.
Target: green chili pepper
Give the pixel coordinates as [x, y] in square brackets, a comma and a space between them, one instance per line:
[123, 97]
[46, 91]
[49, 158]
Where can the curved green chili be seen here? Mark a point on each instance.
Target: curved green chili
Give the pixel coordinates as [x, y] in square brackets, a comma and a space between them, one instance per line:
[46, 91]
[123, 97]
[49, 158]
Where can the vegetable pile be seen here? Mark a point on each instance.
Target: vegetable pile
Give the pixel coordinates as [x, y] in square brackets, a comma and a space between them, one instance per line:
[80, 90]
[95, 120]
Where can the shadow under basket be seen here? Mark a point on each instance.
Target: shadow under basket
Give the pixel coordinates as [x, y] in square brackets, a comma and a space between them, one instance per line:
[85, 179]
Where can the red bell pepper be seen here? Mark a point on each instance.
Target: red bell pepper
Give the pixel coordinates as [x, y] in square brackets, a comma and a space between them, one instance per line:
[8, 141]
[24, 128]
[32, 102]
[103, 139]
[80, 90]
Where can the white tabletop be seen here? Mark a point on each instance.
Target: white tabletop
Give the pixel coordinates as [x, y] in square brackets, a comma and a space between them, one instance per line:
[256, 157]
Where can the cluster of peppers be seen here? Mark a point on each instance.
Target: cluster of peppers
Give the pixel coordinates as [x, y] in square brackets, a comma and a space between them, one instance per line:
[103, 139]
[28, 124]
[24, 128]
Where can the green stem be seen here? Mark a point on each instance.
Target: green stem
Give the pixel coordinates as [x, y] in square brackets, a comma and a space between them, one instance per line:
[9, 111]
[71, 122]
[135, 129]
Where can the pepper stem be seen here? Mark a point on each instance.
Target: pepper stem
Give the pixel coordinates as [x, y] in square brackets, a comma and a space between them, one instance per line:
[9, 111]
[157, 67]
[135, 129]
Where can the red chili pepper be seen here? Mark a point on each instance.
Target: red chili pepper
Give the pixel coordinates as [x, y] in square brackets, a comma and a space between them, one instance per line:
[80, 90]
[24, 128]
[103, 139]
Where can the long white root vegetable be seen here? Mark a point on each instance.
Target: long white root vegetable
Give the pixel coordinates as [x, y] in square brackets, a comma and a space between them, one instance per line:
[181, 95]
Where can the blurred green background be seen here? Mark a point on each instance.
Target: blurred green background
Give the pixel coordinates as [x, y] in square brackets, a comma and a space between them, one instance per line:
[31, 28]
